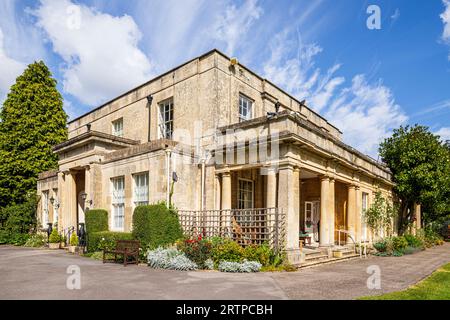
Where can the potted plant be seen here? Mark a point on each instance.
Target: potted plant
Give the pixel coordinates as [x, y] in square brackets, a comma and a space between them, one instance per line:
[73, 243]
[54, 240]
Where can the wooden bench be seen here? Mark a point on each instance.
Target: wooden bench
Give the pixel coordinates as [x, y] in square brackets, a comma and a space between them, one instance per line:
[125, 248]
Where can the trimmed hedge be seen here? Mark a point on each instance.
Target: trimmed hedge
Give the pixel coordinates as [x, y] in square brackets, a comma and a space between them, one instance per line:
[156, 225]
[101, 240]
[96, 220]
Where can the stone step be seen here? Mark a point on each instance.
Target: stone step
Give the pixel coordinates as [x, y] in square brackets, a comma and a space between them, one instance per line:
[318, 257]
[315, 263]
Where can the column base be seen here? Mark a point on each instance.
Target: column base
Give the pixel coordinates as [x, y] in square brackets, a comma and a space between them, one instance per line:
[295, 256]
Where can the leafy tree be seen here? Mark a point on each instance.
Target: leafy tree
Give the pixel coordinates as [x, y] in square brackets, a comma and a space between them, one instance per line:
[32, 121]
[420, 164]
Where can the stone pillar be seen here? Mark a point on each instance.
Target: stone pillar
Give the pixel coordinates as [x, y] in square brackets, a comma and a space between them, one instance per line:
[61, 192]
[324, 230]
[289, 204]
[226, 202]
[271, 191]
[358, 228]
[226, 190]
[331, 212]
[351, 211]
[69, 208]
[218, 188]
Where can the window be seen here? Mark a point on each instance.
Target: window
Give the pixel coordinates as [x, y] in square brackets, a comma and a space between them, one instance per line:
[245, 108]
[44, 208]
[245, 194]
[118, 127]
[140, 189]
[118, 203]
[166, 119]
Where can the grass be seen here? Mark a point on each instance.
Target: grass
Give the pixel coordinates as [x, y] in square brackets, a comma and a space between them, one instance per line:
[435, 287]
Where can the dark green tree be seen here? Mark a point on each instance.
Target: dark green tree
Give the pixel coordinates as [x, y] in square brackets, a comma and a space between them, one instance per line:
[32, 121]
[420, 164]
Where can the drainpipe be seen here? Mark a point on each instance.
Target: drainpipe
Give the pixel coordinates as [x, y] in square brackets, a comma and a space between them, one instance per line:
[168, 156]
[149, 104]
[203, 180]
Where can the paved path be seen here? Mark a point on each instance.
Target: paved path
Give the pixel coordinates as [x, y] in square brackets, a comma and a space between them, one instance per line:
[41, 274]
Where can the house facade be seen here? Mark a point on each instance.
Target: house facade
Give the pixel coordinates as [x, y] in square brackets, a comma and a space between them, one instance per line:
[213, 135]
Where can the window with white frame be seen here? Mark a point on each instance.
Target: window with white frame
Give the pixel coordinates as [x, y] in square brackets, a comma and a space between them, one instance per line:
[166, 119]
[44, 208]
[245, 108]
[245, 194]
[140, 196]
[118, 127]
[118, 203]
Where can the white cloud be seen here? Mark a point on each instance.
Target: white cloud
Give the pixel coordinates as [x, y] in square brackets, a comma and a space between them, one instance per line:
[365, 112]
[445, 16]
[100, 51]
[9, 70]
[444, 133]
[233, 25]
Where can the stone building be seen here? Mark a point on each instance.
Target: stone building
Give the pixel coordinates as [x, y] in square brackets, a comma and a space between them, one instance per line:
[190, 124]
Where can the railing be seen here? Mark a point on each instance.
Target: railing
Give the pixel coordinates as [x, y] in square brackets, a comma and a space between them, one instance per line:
[360, 243]
[67, 233]
[245, 226]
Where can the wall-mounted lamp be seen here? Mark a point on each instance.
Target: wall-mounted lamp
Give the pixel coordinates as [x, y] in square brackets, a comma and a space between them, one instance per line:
[174, 176]
[84, 197]
[54, 202]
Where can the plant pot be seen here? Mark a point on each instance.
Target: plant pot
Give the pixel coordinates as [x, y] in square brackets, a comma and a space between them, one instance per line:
[54, 246]
[73, 249]
[337, 254]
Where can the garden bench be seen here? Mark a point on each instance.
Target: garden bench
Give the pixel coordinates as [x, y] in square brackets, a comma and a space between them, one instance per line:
[126, 248]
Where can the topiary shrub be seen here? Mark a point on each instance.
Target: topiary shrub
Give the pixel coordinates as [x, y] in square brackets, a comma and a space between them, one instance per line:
[96, 220]
[173, 259]
[106, 240]
[74, 240]
[54, 237]
[156, 225]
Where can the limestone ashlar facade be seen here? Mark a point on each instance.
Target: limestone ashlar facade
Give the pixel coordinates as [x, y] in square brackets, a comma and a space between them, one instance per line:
[181, 124]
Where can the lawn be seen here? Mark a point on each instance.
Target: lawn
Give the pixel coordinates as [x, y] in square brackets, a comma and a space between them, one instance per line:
[435, 287]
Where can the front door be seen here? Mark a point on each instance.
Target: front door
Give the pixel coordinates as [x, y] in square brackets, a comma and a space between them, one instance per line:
[312, 217]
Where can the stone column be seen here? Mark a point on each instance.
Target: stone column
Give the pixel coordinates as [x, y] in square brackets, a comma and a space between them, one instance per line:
[358, 228]
[271, 191]
[331, 212]
[324, 230]
[69, 208]
[289, 204]
[351, 211]
[61, 192]
[218, 188]
[226, 202]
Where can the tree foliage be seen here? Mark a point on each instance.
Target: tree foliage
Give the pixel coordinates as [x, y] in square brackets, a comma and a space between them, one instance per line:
[32, 121]
[420, 164]
[380, 215]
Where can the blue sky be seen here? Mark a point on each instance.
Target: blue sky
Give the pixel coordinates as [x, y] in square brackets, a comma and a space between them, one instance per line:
[366, 82]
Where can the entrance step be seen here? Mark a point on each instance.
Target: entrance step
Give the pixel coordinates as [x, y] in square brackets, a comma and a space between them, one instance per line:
[319, 262]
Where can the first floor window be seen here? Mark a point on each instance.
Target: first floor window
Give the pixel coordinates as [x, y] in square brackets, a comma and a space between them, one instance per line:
[245, 108]
[141, 189]
[118, 203]
[166, 119]
[118, 127]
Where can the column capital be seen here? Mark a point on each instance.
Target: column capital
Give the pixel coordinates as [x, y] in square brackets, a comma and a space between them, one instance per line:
[324, 177]
[352, 186]
[226, 173]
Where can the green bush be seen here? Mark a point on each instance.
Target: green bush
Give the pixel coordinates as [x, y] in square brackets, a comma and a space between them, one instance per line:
[106, 240]
[413, 241]
[156, 225]
[228, 251]
[399, 243]
[37, 240]
[96, 220]
[380, 246]
[20, 218]
[54, 237]
[74, 239]
[4, 236]
[264, 254]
